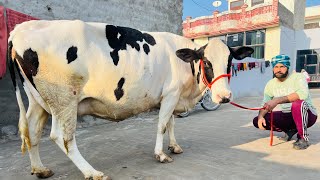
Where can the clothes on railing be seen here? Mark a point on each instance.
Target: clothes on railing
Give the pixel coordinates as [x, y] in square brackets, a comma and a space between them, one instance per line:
[246, 66]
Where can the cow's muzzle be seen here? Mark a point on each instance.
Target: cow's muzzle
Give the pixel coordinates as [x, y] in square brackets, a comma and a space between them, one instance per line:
[225, 100]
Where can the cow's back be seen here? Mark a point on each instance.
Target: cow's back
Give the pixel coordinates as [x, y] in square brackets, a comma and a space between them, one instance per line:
[116, 70]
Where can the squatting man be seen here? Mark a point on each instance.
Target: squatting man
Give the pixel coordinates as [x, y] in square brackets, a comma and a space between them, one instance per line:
[288, 96]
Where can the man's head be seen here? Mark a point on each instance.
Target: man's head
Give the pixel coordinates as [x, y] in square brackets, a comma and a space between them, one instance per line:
[280, 64]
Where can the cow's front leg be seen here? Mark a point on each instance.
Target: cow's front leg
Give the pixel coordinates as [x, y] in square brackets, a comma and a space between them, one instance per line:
[63, 134]
[173, 146]
[168, 104]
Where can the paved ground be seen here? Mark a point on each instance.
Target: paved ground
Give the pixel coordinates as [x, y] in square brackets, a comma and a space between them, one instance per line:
[217, 145]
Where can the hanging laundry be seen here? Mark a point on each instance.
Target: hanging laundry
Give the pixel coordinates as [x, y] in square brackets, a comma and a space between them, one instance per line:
[263, 67]
[252, 65]
[234, 69]
[267, 63]
[245, 66]
[238, 66]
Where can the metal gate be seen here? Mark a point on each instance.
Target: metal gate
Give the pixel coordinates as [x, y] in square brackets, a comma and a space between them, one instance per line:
[310, 61]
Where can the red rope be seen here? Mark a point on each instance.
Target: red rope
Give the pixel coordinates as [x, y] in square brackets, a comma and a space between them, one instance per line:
[271, 129]
[237, 105]
[271, 119]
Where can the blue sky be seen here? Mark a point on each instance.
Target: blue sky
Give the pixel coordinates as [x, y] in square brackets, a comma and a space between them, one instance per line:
[196, 8]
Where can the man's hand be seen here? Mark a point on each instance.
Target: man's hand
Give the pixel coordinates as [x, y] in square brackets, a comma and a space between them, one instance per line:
[261, 123]
[270, 105]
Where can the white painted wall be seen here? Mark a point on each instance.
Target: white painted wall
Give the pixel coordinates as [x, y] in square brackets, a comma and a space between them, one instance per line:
[250, 82]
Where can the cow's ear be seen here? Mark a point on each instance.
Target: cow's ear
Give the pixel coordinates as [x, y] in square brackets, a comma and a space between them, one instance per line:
[241, 52]
[187, 55]
[200, 51]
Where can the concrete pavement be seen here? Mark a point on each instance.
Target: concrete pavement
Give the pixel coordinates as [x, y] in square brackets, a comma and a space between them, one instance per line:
[220, 144]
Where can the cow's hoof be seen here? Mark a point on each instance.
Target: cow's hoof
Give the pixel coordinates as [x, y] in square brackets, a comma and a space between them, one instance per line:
[175, 149]
[163, 158]
[43, 173]
[99, 176]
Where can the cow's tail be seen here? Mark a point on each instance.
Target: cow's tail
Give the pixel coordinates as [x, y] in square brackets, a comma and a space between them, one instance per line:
[23, 123]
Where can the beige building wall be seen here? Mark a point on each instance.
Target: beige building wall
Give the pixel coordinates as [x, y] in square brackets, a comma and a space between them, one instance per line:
[272, 43]
[312, 15]
[201, 41]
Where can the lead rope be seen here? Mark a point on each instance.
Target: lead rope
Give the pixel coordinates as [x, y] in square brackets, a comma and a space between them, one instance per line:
[205, 81]
[262, 108]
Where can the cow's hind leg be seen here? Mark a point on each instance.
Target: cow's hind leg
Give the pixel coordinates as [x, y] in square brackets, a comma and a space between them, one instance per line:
[36, 118]
[63, 134]
[173, 146]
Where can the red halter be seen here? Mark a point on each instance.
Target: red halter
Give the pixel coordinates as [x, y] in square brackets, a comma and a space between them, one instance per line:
[205, 81]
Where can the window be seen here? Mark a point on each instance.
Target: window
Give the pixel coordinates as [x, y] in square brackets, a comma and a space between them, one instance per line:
[222, 38]
[235, 5]
[256, 2]
[256, 39]
[253, 39]
[234, 40]
[308, 59]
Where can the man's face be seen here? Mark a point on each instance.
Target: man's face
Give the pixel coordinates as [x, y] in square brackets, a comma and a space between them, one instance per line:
[280, 71]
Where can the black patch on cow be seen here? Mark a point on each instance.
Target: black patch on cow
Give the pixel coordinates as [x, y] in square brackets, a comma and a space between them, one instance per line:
[208, 70]
[192, 67]
[146, 48]
[198, 77]
[11, 65]
[229, 63]
[118, 92]
[19, 72]
[29, 64]
[119, 37]
[72, 54]
[149, 39]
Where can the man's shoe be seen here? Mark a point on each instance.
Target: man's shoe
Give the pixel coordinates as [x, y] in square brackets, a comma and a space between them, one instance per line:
[298, 139]
[288, 135]
[301, 144]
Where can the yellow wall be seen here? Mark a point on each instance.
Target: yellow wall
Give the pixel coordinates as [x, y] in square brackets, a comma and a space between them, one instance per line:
[272, 44]
[201, 41]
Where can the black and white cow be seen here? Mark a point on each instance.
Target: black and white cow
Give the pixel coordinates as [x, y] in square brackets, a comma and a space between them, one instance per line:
[71, 68]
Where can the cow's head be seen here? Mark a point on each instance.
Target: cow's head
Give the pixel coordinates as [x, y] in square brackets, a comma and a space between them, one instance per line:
[217, 58]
